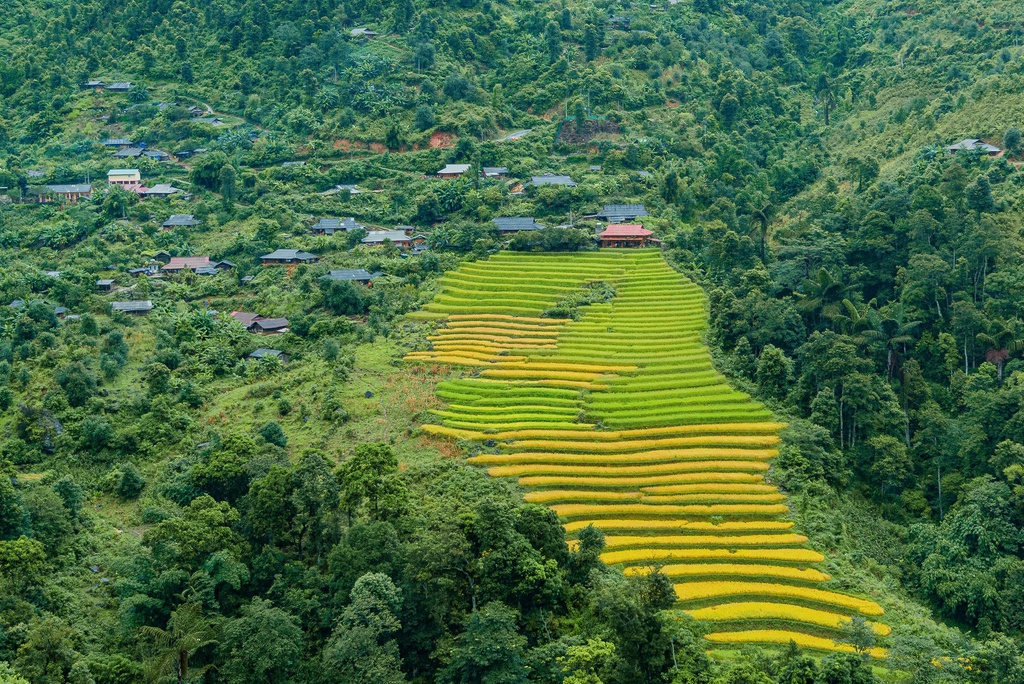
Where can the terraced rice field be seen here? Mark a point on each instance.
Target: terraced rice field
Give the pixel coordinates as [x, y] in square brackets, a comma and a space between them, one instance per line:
[619, 420]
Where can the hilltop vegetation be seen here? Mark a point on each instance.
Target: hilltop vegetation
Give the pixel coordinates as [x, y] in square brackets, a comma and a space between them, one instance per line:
[168, 503]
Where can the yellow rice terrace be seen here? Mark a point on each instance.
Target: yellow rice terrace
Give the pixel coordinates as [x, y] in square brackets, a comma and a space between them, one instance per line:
[590, 385]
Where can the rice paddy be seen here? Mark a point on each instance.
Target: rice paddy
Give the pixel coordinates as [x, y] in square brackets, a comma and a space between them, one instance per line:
[619, 420]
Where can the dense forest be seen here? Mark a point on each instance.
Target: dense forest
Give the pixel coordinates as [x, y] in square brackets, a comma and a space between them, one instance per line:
[176, 508]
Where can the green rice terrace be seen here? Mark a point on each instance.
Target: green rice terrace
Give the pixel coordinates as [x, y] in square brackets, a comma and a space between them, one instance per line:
[614, 416]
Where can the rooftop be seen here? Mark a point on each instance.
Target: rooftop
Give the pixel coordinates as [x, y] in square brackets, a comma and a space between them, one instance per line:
[266, 353]
[511, 224]
[181, 220]
[288, 254]
[130, 307]
[625, 230]
[350, 275]
[454, 170]
[378, 236]
[552, 179]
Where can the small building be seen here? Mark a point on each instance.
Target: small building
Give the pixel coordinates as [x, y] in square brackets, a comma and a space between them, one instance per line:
[141, 307]
[597, 168]
[117, 142]
[330, 226]
[245, 318]
[105, 285]
[625, 235]
[94, 85]
[362, 32]
[178, 264]
[262, 353]
[352, 275]
[269, 326]
[196, 111]
[143, 270]
[158, 155]
[124, 177]
[71, 193]
[398, 237]
[224, 265]
[621, 213]
[248, 279]
[176, 220]
[160, 190]
[453, 171]
[494, 171]
[129, 153]
[552, 179]
[162, 257]
[290, 164]
[619, 23]
[119, 87]
[211, 120]
[284, 257]
[516, 224]
[974, 144]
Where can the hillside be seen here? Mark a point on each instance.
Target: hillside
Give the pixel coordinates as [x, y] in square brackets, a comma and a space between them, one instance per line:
[784, 446]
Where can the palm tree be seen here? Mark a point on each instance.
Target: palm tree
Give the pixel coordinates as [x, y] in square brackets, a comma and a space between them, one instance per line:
[1001, 340]
[853, 320]
[891, 334]
[825, 292]
[187, 631]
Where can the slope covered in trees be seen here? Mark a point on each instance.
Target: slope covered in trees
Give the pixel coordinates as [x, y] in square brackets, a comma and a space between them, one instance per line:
[166, 500]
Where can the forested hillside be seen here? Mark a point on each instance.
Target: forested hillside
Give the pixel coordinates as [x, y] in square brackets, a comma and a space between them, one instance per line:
[301, 468]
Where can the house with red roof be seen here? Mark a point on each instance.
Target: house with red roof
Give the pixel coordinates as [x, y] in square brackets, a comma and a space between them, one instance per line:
[625, 235]
[177, 264]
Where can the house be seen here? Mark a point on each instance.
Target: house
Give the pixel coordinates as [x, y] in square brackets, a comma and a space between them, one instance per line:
[105, 285]
[178, 264]
[71, 193]
[289, 164]
[595, 168]
[262, 353]
[180, 220]
[158, 155]
[160, 190]
[245, 318]
[515, 224]
[207, 271]
[352, 188]
[625, 235]
[95, 85]
[552, 179]
[140, 307]
[211, 120]
[352, 275]
[64, 193]
[143, 270]
[60, 311]
[196, 111]
[330, 226]
[620, 213]
[129, 153]
[224, 265]
[35, 173]
[644, 174]
[124, 177]
[269, 326]
[619, 23]
[162, 257]
[453, 171]
[362, 32]
[117, 142]
[288, 256]
[248, 279]
[398, 237]
[971, 144]
[494, 171]
[119, 87]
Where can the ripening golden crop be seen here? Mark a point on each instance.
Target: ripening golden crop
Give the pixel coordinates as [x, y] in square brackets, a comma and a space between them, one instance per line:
[576, 510]
[682, 525]
[693, 591]
[655, 555]
[776, 636]
[755, 610]
[703, 479]
[758, 540]
[734, 569]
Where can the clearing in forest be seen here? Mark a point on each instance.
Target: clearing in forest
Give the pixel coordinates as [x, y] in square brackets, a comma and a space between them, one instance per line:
[614, 416]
